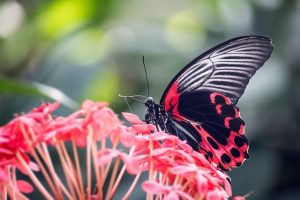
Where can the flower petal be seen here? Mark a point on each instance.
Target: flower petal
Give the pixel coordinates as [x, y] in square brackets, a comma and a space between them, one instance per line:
[183, 169]
[34, 166]
[127, 138]
[239, 198]
[227, 187]
[133, 119]
[105, 156]
[24, 186]
[3, 175]
[155, 188]
[172, 196]
[132, 166]
[144, 128]
[202, 183]
[89, 105]
[215, 194]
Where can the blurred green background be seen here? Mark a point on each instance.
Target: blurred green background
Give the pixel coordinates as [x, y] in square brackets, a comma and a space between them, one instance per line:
[92, 49]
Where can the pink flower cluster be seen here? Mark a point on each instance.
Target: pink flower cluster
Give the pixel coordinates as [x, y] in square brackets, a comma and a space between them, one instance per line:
[175, 170]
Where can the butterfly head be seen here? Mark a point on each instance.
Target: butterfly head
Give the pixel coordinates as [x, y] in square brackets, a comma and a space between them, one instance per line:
[149, 102]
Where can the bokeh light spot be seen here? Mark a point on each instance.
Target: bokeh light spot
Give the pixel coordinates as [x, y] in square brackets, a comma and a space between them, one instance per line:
[104, 86]
[63, 16]
[184, 32]
[89, 47]
[11, 18]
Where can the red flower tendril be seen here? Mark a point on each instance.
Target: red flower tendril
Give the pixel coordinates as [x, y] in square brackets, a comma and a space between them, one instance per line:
[175, 170]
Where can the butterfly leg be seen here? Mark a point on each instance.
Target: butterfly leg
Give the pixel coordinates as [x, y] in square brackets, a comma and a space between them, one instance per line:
[147, 118]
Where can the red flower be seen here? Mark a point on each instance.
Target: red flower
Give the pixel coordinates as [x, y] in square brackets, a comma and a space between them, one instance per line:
[21, 135]
[175, 170]
[172, 192]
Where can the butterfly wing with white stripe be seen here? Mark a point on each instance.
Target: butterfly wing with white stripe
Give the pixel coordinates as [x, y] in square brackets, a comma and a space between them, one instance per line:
[225, 68]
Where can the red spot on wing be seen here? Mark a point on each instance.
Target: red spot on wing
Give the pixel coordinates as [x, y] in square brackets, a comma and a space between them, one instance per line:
[215, 154]
[172, 97]
[218, 108]
[205, 147]
[214, 95]
[242, 130]
[237, 113]
[226, 121]
[231, 138]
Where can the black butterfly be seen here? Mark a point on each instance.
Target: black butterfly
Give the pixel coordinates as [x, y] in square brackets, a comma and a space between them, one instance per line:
[199, 103]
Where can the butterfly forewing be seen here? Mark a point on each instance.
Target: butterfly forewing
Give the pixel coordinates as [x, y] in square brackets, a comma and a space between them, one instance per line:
[225, 68]
[200, 100]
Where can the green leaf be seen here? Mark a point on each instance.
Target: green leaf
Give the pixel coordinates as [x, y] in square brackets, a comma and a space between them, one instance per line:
[12, 86]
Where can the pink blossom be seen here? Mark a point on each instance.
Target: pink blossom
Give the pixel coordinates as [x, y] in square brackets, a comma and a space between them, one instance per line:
[24, 186]
[170, 192]
[175, 170]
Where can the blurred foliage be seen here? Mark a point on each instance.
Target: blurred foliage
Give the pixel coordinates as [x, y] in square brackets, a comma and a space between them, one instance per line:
[35, 89]
[93, 49]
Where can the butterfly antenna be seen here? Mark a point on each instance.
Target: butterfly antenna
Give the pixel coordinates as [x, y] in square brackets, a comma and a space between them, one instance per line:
[125, 98]
[146, 75]
[132, 97]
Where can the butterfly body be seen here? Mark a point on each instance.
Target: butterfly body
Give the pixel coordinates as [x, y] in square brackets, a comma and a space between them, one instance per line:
[199, 107]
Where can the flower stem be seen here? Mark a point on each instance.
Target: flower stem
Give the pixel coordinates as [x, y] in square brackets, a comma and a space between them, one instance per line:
[130, 190]
[43, 151]
[30, 136]
[110, 190]
[151, 170]
[88, 165]
[71, 169]
[96, 171]
[121, 174]
[66, 169]
[34, 179]
[44, 171]
[14, 193]
[78, 168]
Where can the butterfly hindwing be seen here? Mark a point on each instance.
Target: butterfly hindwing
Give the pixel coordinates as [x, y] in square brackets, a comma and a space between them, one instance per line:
[210, 119]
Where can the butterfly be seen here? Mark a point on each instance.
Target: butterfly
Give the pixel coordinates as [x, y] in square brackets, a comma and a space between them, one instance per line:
[199, 104]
